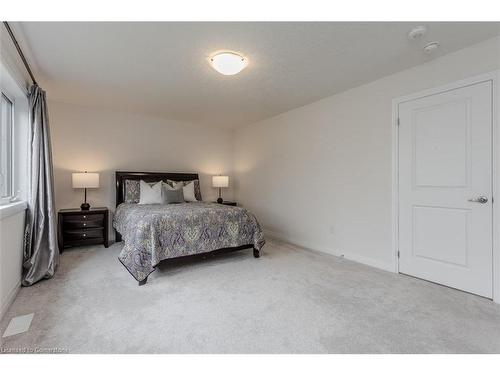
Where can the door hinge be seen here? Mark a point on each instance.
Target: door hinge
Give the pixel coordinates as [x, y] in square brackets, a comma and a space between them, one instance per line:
[397, 122]
[398, 254]
[492, 200]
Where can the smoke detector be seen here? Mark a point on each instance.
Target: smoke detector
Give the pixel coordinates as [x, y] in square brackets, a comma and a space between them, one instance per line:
[417, 32]
[431, 48]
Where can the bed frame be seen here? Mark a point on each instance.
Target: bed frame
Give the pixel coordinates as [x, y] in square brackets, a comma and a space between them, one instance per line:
[157, 176]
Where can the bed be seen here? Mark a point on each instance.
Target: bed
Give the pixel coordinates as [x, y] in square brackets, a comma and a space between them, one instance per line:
[153, 232]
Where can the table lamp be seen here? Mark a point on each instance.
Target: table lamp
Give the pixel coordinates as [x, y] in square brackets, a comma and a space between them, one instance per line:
[220, 182]
[85, 181]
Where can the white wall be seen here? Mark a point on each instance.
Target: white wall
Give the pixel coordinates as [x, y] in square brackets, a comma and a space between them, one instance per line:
[11, 257]
[11, 60]
[105, 141]
[320, 175]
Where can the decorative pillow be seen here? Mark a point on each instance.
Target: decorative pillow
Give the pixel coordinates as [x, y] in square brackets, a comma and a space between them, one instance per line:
[132, 191]
[187, 190]
[197, 190]
[150, 194]
[171, 195]
[189, 194]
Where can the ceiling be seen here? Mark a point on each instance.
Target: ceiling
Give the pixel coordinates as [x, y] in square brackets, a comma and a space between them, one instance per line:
[161, 69]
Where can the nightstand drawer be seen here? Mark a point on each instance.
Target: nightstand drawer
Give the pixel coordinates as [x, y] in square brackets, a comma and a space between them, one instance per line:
[87, 223]
[83, 234]
[84, 217]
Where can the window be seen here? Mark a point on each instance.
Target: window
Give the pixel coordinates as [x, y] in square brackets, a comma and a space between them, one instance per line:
[6, 152]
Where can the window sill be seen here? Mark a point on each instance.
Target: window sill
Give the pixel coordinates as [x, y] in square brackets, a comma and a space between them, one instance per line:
[12, 209]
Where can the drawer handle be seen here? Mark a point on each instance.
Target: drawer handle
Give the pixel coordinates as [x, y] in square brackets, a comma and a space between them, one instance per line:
[84, 235]
[84, 224]
[84, 216]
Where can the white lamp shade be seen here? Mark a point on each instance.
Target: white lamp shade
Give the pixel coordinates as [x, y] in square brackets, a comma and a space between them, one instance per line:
[220, 181]
[85, 180]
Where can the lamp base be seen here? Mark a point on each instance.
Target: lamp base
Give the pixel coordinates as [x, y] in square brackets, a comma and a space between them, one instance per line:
[85, 206]
[219, 200]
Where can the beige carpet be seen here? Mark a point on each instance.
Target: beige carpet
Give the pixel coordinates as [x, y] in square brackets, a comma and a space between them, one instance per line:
[290, 300]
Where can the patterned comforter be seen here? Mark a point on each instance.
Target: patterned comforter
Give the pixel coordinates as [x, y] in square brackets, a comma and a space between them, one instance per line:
[154, 232]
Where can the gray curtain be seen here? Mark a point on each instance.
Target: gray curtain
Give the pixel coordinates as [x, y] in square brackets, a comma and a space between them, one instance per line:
[41, 252]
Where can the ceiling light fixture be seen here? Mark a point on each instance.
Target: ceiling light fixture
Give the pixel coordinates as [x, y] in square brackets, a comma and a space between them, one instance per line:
[228, 63]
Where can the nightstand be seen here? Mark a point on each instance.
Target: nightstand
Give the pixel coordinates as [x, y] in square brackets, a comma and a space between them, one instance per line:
[83, 227]
[228, 203]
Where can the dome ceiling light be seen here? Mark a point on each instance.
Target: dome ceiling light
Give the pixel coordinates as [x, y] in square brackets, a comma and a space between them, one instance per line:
[228, 63]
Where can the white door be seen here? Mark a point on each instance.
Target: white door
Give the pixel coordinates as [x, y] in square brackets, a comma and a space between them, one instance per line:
[445, 188]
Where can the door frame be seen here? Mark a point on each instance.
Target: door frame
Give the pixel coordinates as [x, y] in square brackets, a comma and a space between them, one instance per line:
[494, 77]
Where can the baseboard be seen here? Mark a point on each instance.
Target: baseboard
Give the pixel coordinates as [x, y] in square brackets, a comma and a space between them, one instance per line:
[315, 247]
[9, 300]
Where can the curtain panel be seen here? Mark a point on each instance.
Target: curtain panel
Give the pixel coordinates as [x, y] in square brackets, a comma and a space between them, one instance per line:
[41, 252]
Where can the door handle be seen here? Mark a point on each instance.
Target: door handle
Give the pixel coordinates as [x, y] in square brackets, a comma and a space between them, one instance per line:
[480, 199]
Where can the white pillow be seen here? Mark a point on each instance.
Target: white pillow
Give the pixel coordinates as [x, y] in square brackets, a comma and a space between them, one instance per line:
[150, 194]
[187, 190]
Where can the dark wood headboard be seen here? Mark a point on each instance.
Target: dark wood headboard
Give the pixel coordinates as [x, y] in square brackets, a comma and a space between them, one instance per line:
[148, 177]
